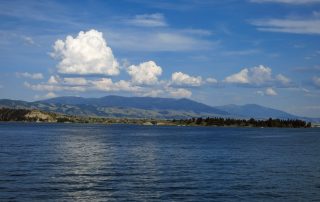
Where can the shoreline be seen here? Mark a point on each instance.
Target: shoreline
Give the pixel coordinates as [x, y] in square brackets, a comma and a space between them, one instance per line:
[156, 125]
[37, 116]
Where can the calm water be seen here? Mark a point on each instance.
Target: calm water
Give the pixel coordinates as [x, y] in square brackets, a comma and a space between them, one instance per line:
[74, 162]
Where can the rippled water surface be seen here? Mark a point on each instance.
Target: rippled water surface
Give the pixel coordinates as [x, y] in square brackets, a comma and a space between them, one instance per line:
[74, 162]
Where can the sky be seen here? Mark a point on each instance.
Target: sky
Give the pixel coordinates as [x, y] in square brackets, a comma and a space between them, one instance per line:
[263, 52]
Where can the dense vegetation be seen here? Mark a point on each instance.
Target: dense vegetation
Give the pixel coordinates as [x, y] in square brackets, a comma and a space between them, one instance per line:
[244, 123]
[13, 115]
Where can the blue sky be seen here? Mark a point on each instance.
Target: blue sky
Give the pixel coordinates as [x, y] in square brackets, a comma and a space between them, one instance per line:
[217, 52]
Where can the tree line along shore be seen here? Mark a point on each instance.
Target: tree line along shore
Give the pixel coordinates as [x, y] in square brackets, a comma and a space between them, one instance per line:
[29, 115]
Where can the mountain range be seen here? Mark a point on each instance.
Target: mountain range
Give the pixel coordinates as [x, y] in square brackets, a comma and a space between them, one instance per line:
[147, 107]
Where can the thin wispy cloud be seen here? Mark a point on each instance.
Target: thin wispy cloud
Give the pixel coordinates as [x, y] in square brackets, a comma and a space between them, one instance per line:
[314, 69]
[241, 52]
[171, 40]
[28, 75]
[148, 20]
[49, 12]
[295, 26]
[28, 40]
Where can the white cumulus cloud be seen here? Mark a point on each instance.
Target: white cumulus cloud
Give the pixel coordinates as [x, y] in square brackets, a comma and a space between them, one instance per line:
[145, 73]
[87, 53]
[179, 78]
[259, 75]
[256, 75]
[241, 77]
[270, 92]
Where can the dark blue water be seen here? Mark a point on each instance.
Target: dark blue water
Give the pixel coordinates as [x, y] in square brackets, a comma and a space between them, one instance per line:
[74, 162]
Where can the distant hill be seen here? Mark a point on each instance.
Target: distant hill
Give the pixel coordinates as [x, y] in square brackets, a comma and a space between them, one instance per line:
[256, 111]
[147, 107]
[145, 103]
[120, 107]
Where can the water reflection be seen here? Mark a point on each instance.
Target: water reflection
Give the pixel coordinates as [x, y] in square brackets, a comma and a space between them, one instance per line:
[86, 161]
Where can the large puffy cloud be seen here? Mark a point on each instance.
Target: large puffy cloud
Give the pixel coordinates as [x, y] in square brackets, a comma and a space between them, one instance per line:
[87, 53]
[257, 76]
[145, 73]
[179, 78]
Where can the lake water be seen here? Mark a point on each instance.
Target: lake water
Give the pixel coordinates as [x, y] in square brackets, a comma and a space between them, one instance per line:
[83, 162]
